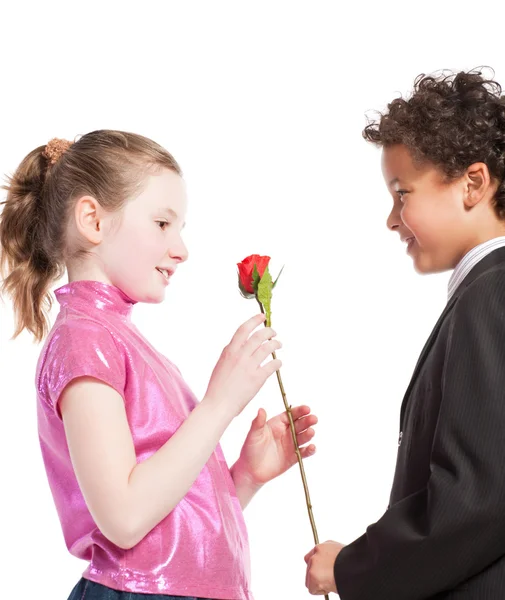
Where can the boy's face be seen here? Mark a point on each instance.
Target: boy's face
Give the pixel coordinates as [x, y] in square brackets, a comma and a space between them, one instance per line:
[428, 211]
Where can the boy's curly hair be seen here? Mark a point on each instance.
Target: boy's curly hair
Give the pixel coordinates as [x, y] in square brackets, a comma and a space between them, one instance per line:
[451, 120]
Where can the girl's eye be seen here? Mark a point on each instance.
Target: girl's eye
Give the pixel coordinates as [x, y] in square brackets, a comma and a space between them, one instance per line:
[401, 194]
[163, 224]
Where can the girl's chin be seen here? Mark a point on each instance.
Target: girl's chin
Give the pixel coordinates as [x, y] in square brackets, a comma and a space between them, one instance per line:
[149, 297]
[154, 298]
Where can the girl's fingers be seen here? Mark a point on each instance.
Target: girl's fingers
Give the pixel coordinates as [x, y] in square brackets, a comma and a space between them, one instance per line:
[260, 419]
[258, 340]
[301, 424]
[308, 451]
[270, 367]
[297, 412]
[305, 437]
[265, 350]
[244, 331]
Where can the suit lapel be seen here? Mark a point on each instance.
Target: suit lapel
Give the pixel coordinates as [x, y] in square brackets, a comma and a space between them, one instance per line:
[490, 261]
[424, 353]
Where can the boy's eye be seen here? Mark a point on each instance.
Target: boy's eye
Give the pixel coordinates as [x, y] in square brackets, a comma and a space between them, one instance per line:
[401, 193]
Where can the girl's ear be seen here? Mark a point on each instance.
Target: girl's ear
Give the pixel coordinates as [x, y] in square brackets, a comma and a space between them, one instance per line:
[478, 184]
[88, 219]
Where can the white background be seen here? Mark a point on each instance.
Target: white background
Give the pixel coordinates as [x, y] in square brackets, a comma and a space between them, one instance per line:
[263, 105]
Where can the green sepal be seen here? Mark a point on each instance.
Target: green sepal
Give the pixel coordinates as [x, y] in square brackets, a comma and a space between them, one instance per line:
[243, 291]
[264, 295]
[256, 278]
[277, 279]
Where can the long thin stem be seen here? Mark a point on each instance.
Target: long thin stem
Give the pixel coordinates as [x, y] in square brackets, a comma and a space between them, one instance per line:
[297, 451]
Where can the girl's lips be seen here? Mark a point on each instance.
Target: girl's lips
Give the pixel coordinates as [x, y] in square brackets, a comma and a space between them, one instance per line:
[165, 273]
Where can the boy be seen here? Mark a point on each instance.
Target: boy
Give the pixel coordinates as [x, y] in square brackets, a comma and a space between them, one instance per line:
[443, 534]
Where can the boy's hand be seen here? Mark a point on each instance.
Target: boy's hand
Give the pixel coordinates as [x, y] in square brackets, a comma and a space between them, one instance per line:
[320, 578]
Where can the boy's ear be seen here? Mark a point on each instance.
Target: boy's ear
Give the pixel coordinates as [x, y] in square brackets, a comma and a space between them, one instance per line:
[478, 184]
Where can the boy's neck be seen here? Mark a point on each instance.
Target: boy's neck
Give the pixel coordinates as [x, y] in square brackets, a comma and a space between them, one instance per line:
[491, 231]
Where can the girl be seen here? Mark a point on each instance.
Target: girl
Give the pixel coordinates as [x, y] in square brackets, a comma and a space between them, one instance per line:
[443, 535]
[139, 480]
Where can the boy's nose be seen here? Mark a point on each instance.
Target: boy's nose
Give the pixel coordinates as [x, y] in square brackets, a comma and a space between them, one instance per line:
[393, 221]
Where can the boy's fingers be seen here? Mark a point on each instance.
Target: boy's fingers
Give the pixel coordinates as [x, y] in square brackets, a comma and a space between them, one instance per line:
[308, 556]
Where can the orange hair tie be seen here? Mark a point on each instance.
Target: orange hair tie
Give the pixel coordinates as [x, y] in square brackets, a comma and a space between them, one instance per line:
[55, 149]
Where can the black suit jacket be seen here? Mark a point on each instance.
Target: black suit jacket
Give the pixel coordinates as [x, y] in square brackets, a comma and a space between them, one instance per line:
[443, 534]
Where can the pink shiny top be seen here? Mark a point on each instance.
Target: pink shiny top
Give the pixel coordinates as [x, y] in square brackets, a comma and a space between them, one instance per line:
[201, 548]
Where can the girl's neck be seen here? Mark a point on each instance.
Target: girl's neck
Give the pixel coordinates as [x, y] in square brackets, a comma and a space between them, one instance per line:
[86, 271]
[91, 296]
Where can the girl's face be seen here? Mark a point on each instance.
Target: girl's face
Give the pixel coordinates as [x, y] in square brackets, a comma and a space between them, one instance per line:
[141, 253]
[428, 212]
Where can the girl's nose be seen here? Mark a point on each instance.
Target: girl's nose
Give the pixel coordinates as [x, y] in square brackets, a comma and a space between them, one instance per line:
[179, 252]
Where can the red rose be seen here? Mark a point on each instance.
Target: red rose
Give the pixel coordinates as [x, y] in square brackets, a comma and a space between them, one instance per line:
[246, 269]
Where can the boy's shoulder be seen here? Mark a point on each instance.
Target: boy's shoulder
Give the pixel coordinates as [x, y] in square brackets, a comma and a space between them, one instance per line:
[485, 291]
[493, 277]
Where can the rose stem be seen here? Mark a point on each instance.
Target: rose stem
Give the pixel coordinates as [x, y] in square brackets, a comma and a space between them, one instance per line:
[297, 449]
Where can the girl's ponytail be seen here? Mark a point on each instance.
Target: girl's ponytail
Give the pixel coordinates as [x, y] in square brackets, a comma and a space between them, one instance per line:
[25, 261]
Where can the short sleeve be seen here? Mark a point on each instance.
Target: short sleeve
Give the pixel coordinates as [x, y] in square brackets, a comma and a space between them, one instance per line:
[82, 348]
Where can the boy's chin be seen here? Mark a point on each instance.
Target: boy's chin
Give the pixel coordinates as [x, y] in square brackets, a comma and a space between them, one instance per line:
[423, 270]
[428, 268]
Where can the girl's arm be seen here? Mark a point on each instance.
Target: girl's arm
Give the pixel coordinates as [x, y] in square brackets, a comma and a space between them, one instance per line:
[245, 487]
[127, 499]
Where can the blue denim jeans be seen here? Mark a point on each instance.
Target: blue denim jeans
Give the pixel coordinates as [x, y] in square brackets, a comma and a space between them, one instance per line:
[89, 590]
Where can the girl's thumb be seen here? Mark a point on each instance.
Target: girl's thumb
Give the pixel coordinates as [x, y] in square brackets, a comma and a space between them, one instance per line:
[260, 419]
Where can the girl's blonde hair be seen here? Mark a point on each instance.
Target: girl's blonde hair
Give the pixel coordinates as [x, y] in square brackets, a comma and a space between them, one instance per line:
[107, 165]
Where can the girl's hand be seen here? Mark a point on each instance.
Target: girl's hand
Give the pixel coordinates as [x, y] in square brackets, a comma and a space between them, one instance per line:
[239, 375]
[268, 450]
